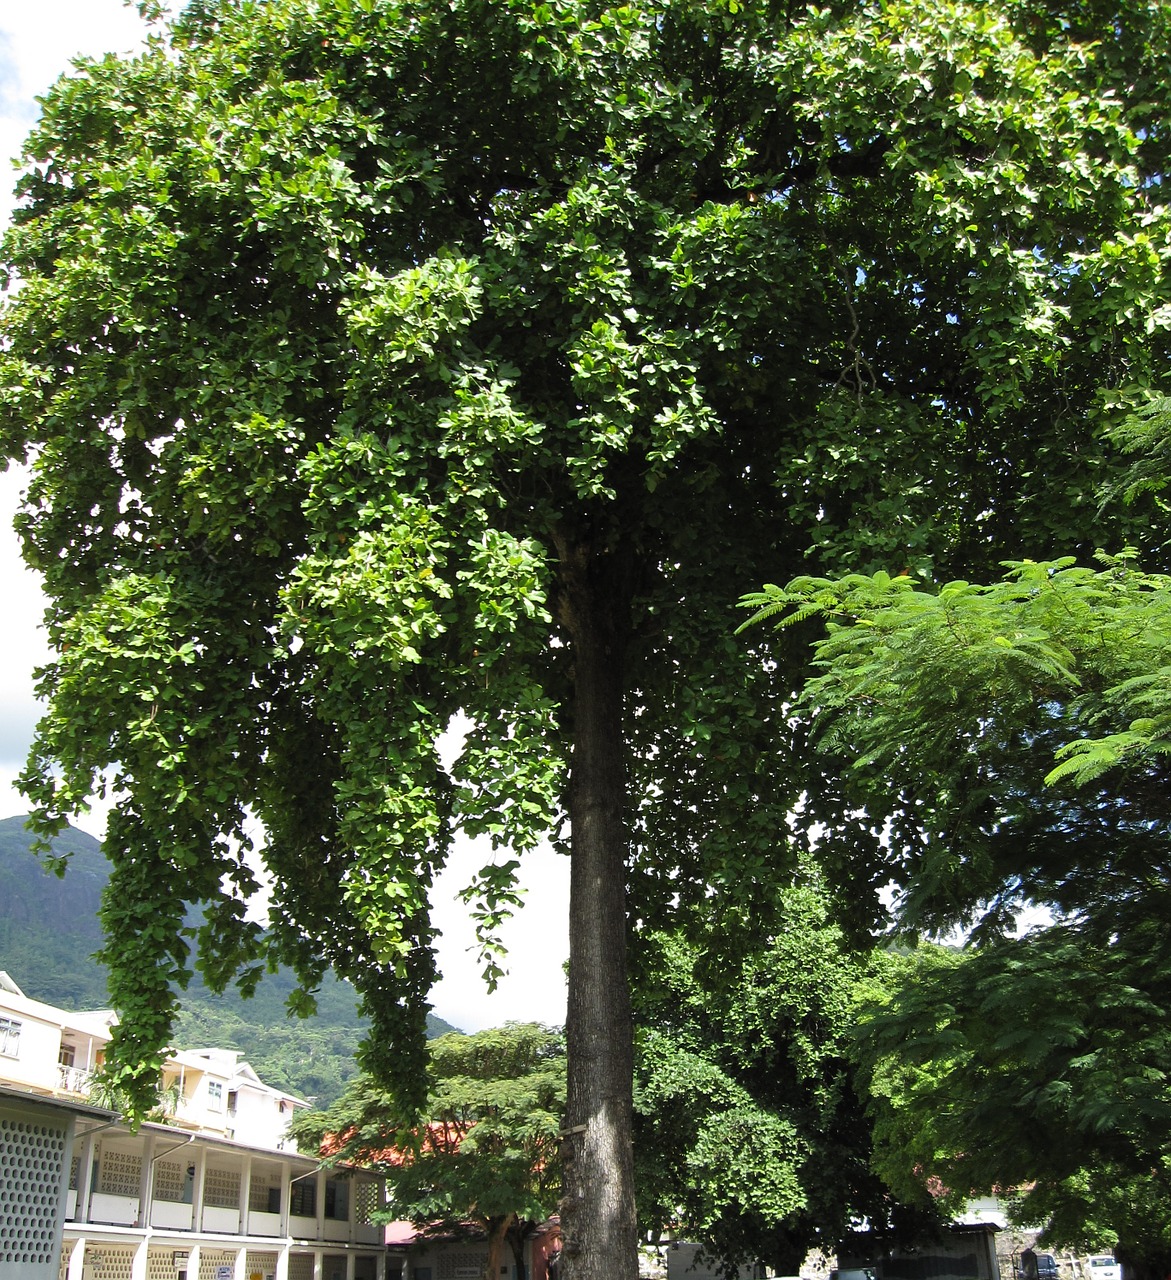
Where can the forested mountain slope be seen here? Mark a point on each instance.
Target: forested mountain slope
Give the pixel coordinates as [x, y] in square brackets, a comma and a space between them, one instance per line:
[49, 931]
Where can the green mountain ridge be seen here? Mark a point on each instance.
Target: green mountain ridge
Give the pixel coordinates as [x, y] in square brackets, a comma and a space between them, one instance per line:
[49, 932]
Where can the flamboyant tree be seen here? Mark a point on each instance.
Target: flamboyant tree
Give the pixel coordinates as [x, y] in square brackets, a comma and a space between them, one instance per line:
[383, 360]
[486, 1149]
[1013, 738]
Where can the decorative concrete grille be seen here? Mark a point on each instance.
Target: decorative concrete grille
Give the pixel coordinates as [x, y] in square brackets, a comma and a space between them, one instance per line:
[264, 1263]
[74, 1173]
[365, 1268]
[258, 1189]
[333, 1266]
[210, 1260]
[221, 1188]
[169, 1182]
[32, 1161]
[450, 1265]
[120, 1174]
[300, 1266]
[160, 1264]
[108, 1262]
[365, 1201]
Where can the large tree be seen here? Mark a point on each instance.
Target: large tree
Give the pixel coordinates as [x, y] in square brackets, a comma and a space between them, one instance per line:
[487, 1148]
[381, 360]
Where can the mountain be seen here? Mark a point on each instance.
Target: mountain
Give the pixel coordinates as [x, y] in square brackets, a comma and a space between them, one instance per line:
[49, 931]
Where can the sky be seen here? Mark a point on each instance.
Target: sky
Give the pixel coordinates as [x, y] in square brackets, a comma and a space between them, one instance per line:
[37, 41]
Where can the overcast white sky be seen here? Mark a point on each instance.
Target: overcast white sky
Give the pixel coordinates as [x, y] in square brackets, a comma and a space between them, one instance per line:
[37, 40]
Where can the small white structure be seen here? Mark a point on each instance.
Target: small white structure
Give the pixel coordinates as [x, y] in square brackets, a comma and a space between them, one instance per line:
[53, 1052]
[217, 1093]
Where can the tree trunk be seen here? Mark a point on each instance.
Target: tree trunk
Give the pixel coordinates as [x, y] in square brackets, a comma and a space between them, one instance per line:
[497, 1238]
[518, 1228]
[598, 1221]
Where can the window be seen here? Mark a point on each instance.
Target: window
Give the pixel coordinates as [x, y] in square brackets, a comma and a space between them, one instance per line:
[303, 1198]
[337, 1200]
[9, 1037]
[215, 1095]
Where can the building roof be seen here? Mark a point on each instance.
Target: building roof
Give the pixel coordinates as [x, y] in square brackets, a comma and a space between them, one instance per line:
[94, 1022]
[15, 1094]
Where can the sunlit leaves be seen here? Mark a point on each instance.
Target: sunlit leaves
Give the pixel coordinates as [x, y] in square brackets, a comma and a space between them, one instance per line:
[342, 324]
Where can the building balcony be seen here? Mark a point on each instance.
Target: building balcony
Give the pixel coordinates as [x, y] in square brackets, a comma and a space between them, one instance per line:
[74, 1080]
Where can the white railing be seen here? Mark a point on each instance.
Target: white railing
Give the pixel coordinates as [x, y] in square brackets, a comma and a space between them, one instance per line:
[74, 1079]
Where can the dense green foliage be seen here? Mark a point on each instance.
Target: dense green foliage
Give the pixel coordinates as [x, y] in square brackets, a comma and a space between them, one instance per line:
[488, 1149]
[1013, 740]
[384, 359]
[752, 1136]
[49, 932]
[1037, 1063]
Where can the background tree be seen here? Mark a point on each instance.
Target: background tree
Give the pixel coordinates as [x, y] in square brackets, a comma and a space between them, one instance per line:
[486, 1150]
[752, 1136]
[381, 360]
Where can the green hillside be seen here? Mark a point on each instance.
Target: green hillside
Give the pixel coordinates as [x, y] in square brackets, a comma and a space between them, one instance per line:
[49, 932]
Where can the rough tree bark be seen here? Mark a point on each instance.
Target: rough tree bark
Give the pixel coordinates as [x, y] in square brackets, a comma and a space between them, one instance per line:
[598, 1218]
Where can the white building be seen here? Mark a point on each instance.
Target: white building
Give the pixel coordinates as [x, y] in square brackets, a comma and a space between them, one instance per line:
[211, 1194]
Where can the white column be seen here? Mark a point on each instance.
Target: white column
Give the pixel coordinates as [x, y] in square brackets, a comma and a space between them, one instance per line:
[138, 1266]
[318, 1257]
[240, 1271]
[245, 1192]
[85, 1178]
[282, 1262]
[146, 1182]
[76, 1259]
[193, 1262]
[319, 1184]
[286, 1198]
[199, 1159]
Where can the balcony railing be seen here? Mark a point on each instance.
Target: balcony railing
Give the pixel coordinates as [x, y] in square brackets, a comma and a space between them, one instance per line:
[73, 1079]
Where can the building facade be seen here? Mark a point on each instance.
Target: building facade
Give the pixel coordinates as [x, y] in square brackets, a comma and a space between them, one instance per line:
[214, 1192]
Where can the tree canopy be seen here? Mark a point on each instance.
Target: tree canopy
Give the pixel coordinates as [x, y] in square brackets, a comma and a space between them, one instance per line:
[1012, 741]
[487, 1148]
[1012, 738]
[380, 360]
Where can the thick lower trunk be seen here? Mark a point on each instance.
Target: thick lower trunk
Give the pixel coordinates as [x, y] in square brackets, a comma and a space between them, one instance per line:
[497, 1238]
[598, 1213]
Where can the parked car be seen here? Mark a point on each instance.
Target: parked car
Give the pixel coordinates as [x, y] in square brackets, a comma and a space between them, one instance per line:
[1038, 1266]
[1103, 1266]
